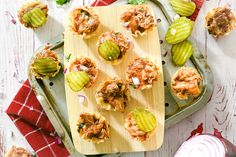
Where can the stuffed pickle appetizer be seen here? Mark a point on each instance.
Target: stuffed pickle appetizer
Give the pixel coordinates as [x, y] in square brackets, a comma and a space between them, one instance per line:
[138, 20]
[112, 47]
[82, 72]
[140, 123]
[33, 14]
[186, 82]
[113, 94]
[142, 73]
[45, 64]
[84, 22]
[93, 127]
[220, 21]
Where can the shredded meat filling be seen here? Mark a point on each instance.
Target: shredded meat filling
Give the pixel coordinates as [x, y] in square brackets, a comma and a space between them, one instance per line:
[84, 21]
[47, 53]
[133, 129]
[118, 38]
[186, 82]
[93, 127]
[114, 93]
[85, 64]
[142, 73]
[220, 21]
[138, 19]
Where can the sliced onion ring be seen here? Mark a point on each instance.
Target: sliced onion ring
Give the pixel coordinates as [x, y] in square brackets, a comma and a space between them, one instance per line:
[202, 146]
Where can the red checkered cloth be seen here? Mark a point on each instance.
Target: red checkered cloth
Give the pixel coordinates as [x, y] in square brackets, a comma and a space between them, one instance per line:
[28, 116]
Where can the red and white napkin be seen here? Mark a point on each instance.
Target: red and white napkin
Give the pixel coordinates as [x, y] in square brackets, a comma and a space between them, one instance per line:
[29, 117]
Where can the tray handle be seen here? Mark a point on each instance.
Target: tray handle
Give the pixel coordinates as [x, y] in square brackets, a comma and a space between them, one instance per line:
[51, 115]
[169, 13]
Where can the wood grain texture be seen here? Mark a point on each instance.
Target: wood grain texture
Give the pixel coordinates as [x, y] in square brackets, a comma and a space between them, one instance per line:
[152, 99]
[221, 54]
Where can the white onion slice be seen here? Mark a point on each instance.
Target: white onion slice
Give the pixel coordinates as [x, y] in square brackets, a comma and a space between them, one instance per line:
[126, 24]
[81, 98]
[135, 81]
[202, 146]
[84, 68]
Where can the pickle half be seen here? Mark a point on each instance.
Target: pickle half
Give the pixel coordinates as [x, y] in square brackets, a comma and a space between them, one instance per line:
[77, 80]
[35, 17]
[109, 50]
[181, 52]
[179, 30]
[145, 120]
[45, 67]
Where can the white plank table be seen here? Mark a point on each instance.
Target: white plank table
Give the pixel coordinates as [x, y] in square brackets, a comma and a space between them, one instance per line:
[17, 45]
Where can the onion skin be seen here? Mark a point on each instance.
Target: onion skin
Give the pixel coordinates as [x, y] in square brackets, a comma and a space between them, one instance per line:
[206, 145]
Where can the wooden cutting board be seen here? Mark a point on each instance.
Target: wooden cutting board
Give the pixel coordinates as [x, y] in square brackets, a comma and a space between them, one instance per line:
[152, 99]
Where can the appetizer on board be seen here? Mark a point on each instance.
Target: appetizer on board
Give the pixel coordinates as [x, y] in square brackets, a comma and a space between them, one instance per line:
[186, 82]
[140, 123]
[33, 14]
[181, 52]
[220, 21]
[84, 22]
[141, 73]
[93, 127]
[113, 94]
[45, 64]
[113, 46]
[138, 20]
[82, 72]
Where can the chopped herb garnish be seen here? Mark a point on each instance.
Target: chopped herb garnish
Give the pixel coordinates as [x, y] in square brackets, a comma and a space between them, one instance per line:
[85, 12]
[61, 2]
[119, 85]
[81, 126]
[136, 2]
[133, 85]
[68, 57]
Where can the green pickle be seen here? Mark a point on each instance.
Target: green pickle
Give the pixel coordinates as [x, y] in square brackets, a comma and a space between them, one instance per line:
[35, 17]
[145, 120]
[109, 50]
[77, 80]
[182, 7]
[181, 52]
[179, 30]
[45, 66]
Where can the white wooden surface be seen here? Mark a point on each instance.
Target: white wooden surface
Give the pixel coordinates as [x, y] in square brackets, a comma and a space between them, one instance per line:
[17, 45]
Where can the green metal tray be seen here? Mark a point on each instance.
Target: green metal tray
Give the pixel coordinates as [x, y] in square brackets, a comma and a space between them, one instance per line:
[51, 92]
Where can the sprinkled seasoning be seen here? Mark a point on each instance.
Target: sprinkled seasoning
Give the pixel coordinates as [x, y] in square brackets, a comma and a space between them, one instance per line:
[68, 57]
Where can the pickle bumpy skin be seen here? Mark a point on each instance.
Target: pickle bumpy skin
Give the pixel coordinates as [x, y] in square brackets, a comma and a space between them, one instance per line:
[183, 8]
[145, 120]
[77, 80]
[181, 52]
[179, 30]
[109, 50]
